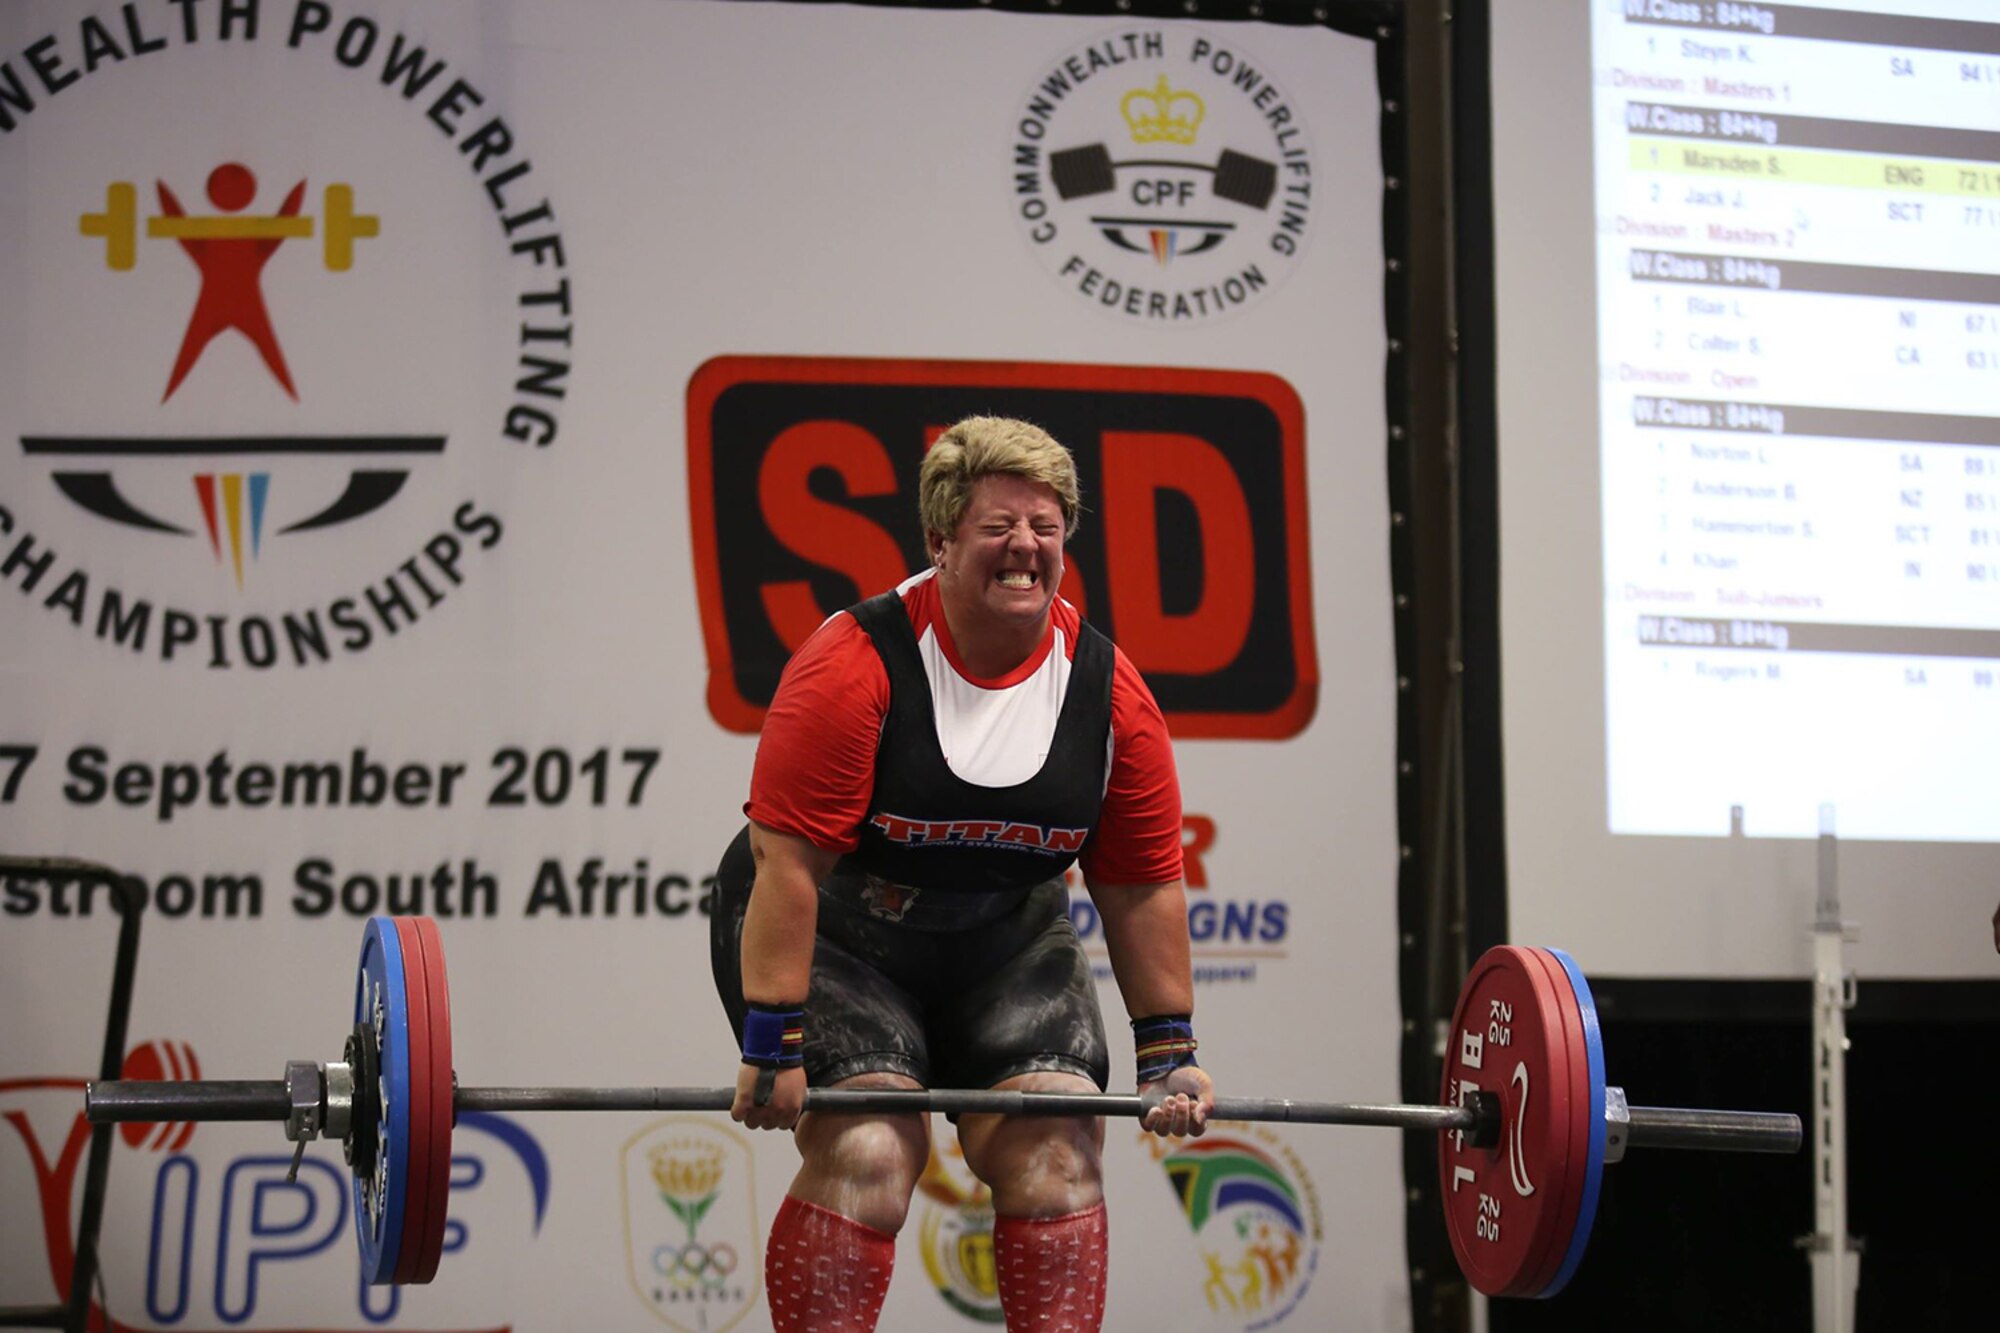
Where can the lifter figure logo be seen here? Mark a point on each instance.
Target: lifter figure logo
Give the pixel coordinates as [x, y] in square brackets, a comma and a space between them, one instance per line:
[229, 249]
[231, 261]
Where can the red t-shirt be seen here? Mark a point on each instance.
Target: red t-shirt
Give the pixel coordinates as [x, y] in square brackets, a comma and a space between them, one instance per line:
[815, 764]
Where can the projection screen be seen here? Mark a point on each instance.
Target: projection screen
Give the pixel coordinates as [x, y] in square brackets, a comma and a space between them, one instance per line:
[1748, 272]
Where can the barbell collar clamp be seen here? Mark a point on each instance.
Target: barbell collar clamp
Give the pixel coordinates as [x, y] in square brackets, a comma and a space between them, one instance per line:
[305, 1095]
[1617, 1125]
[338, 1107]
[319, 1100]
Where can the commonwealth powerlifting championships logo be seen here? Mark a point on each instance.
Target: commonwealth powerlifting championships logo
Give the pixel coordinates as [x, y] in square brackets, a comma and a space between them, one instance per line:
[1162, 174]
[292, 300]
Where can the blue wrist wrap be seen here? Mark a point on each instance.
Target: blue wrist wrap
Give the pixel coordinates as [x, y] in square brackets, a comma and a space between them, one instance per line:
[774, 1036]
[1162, 1044]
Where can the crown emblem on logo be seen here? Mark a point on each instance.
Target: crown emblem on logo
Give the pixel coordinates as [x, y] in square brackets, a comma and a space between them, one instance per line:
[1159, 114]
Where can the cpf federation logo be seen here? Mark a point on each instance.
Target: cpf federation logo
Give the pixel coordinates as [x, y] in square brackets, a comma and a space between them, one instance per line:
[1162, 175]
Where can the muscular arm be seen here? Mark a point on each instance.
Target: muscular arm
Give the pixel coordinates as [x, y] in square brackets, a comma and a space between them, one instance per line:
[815, 767]
[1145, 931]
[783, 912]
[778, 927]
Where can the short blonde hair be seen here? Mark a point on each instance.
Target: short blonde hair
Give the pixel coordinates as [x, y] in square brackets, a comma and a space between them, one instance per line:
[987, 446]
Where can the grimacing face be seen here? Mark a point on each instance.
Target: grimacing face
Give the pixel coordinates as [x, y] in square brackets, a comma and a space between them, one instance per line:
[1005, 558]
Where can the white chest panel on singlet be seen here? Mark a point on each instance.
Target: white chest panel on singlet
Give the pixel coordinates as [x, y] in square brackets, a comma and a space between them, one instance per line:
[995, 738]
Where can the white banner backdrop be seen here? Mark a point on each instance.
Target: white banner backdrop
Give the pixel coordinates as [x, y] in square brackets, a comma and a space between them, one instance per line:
[416, 451]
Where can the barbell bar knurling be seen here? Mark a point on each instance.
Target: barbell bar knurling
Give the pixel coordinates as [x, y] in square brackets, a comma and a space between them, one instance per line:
[1650, 1126]
[137, 1100]
[970, 1101]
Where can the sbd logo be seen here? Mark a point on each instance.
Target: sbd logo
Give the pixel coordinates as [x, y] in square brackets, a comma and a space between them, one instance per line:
[1193, 554]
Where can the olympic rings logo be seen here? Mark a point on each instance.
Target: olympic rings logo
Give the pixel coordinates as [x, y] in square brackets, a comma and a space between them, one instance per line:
[695, 1262]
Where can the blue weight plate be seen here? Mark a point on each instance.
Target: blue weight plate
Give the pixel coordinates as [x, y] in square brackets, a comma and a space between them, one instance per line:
[381, 1002]
[1593, 1174]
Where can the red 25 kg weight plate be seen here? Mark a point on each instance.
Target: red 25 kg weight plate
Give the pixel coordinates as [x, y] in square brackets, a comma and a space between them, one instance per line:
[430, 1237]
[417, 1177]
[1504, 1205]
[430, 1099]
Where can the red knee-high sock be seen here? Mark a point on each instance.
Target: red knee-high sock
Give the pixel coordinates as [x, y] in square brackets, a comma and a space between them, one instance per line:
[1052, 1271]
[825, 1273]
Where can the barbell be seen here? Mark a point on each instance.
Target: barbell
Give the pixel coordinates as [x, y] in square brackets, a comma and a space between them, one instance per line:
[1525, 1119]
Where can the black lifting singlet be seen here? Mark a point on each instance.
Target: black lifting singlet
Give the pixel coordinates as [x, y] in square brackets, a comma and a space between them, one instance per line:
[928, 828]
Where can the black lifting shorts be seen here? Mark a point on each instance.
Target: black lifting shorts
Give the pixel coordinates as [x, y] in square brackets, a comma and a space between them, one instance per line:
[951, 1009]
